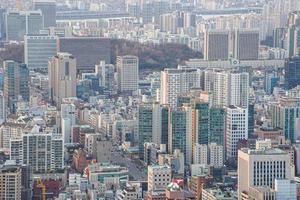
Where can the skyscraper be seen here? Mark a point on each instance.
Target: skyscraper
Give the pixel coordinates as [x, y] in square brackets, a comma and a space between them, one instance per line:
[106, 72]
[153, 125]
[42, 151]
[38, 50]
[16, 80]
[48, 9]
[227, 88]
[285, 114]
[236, 129]
[246, 44]
[292, 72]
[260, 168]
[62, 77]
[175, 82]
[178, 131]
[21, 23]
[216, 45]
[128, 73]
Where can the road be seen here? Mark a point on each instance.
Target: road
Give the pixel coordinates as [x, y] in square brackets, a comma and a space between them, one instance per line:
[135, 171]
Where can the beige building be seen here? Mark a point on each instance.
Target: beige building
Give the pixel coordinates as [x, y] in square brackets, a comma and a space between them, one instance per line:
[260, 168]
[159, 176]
[62, 77]
[10, 182]
[128, 73]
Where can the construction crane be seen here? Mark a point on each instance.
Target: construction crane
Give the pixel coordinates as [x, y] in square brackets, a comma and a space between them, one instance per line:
[42, 187]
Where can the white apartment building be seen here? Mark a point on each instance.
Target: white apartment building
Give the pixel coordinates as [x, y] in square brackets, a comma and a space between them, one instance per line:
[211, 154]
[200, 154]
[227, 88]
[41, 151]
[175, 82]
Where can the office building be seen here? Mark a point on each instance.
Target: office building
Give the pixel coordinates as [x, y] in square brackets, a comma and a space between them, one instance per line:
[285, 115]
[2, 23]
[236, 129]
[88, 51]
[153, 125]
[62, 77]
[246, 44]
[106, 72]
[179, 133]
[292, 73]
[19, 24]
[15, 26]
[260, 168]
[216, 45]
[3, 109]
[271, 81]
[293, 40]
[128, 73]
[159, 176]
[16, 80]
[38, 50]
[48, 9]
[175, 82]
[67, 121]
[10, 182]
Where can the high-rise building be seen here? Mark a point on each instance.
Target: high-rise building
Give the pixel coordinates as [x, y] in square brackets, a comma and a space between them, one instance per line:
[216, 45]
[68, 118]
[34, 22]
[159, 176]
[293, 40]
[211, 154]
[153, 125]
[128, 73]
[292, 72]
[200, 154]
[175, 82]
[16, 80]
[18, 24]
[38, 50]
[3, 109]
[285, 114]
[62, 77]
[10, 182]
[106, 72]
[2, 23]
[236, 129]
[48, 9]
[42, 151]
[246, 44]
[260, 168]
[15, 26]
[178, 135]
[145, 127]
[227, 88]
